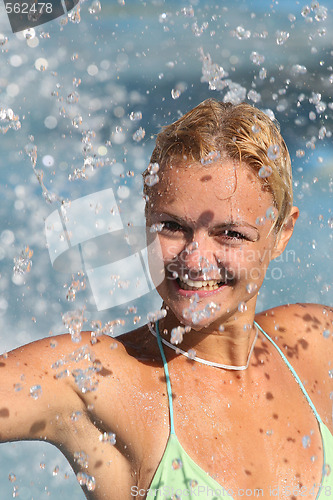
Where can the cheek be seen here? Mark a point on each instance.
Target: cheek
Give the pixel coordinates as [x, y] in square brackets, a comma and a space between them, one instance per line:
[170, 249]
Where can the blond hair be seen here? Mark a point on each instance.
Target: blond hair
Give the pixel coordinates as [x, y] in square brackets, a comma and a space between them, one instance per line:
[242, 133]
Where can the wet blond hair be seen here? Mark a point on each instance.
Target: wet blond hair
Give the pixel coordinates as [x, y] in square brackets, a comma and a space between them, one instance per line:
[242, 133]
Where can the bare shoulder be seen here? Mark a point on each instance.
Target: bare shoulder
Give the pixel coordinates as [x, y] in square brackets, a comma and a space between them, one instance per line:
[43, 383]
[304, 333]
[313, 322]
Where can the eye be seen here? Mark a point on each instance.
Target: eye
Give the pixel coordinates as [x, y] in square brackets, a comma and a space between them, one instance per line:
[171, 226]
[229, 234]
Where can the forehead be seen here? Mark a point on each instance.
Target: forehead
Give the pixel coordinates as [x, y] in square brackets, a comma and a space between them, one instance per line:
[225, 183]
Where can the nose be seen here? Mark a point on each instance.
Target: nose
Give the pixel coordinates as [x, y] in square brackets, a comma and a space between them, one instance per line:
[199, 256]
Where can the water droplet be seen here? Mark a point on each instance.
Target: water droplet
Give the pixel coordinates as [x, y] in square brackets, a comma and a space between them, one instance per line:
[73, 320]
[29, 33]
[73, 97]
[251, 287]
[265, 171]
[273, 152]
[193, 483]
[281, 37]
[299, 69]
[254, 96]
[188, 11]
[108, 437]
[191, 247]
[35, 391]
[211, 157]
[154, 316]
[256, 129]
[90, 483]
[198, 31]
[305, 11]
[242, 307]
[270, 213]
[327, 470]
[55, 471]
[191, 353]
[41, 64]
[77, 121]
[95, 7]
[12, 477]
[3, 40]
[241, 33]
[326, 334]
[177, 464]
[139, 134]
[300, 153]
[306, 441]
[151, 180]
[260, 221]
[156, 228]
[257, 58]
[177, 335]
[8, 120]
[135, 116]
[23, 263]
[153, 168]
[221, 328]
[42, 465]
[263, 73]
[81, 458]
[175, 93]
[320, 13]
[74, 15]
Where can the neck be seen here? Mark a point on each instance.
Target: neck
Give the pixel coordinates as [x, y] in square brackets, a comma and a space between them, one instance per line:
[229, 345]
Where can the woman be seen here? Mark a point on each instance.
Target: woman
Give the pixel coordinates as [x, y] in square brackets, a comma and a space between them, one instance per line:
[219, 200]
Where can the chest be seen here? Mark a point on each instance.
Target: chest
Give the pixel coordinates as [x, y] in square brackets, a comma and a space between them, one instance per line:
[259, 433]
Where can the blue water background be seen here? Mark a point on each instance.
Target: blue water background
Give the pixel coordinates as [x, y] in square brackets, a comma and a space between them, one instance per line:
[129, 58]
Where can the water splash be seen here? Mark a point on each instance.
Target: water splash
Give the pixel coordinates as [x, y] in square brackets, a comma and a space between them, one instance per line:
[8, 120]
[31, 150]
[76, 285]
[152, 317]
[73, 320]
[23, 263]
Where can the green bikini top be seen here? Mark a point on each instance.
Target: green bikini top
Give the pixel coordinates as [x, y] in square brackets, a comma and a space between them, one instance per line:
[179, 477]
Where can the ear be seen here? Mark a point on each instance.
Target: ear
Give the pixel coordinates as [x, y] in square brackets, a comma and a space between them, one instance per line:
[285, 233]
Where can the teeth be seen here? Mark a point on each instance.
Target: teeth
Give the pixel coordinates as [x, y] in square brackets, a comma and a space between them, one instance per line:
[207, 285]
[184, 286]
[199, 284]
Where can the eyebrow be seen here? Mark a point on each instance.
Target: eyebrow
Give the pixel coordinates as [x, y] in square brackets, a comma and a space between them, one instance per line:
[222, 225]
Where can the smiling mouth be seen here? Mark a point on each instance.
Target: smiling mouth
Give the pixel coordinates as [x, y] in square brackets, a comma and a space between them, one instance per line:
[208, 285]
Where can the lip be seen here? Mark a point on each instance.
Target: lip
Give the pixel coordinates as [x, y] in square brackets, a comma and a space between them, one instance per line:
[200, 293]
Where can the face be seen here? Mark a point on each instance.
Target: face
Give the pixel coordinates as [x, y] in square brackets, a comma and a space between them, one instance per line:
[214, 227]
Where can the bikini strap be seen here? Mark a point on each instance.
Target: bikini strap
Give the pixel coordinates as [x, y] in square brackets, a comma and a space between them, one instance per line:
[166, 371]
[298, 380]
